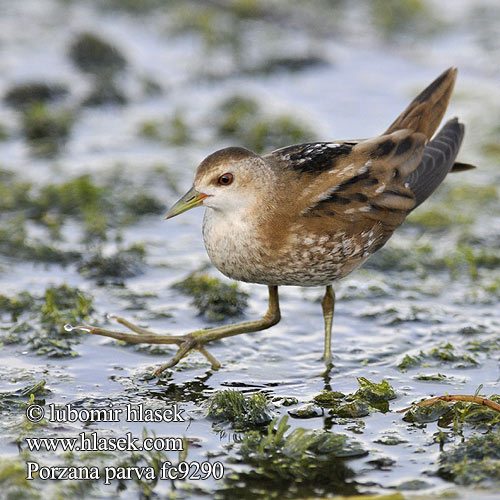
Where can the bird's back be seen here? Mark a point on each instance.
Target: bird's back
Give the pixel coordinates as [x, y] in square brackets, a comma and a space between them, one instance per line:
[344, 199]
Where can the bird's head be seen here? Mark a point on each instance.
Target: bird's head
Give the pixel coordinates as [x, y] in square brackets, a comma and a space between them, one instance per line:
[227, 180]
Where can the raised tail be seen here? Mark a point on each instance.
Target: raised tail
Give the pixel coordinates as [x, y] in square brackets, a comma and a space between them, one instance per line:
[437, 161]
[425, 112]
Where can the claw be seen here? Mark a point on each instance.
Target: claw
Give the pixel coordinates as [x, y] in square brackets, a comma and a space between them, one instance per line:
[183, 350]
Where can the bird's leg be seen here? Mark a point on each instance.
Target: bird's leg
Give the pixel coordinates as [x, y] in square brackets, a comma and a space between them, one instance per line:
[193, 340]
[328, 304]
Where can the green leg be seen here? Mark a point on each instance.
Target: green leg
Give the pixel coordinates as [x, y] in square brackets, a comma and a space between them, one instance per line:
[193, 340]
[328, 304]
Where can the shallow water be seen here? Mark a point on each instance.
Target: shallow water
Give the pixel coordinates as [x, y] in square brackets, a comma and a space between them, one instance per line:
[383, 311]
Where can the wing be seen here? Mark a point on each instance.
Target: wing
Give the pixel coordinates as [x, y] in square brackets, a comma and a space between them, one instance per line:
[368, 185]
[437, 161]
[425, 112]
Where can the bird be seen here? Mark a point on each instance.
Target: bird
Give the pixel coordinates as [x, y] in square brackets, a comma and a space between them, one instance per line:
[309, 214]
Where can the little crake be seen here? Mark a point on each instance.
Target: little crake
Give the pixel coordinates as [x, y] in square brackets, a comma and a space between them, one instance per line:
[309, 214]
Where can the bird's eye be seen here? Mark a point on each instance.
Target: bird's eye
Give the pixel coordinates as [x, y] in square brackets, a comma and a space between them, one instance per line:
[225, 179]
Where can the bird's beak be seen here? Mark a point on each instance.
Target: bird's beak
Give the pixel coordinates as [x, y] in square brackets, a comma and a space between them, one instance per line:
[190, 200]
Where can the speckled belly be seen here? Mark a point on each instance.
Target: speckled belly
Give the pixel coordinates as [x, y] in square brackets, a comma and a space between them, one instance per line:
[312, 261]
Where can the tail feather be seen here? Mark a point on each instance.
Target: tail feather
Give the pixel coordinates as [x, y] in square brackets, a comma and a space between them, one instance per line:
[425, 112]
[437, 161]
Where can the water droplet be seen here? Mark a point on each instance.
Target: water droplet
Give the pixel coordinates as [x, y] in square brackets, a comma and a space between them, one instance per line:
[68, 327]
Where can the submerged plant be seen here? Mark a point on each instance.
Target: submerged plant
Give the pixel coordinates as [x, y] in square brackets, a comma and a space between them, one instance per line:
[39, 323]
[290, 464]
[45, 129]
[214, 299]
[239, 410]
[370, 396]
[476, 461]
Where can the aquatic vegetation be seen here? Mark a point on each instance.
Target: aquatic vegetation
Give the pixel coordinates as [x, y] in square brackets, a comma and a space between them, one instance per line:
[425, 414]
[46, 130]
[273, 133]
[92, 54]
[14, 243]
[216, 28]
[374, 393]
[234, 111]
[132, 6]
[476, 461]
[174, 131]
[395, 17]
[4, 134]
[124, 263]
[241, 411]
[283, 63]
[214, 299]
[456, 411]
[293, 464]
[40, 322]
[241, 119]
[444, 353]
[20, 398]
[439, 218]
[329, 398]
[370, 396]
[13, 480]
[27, 94]
[105, 92]
[100, 207]
[16, 305]
[306, 411]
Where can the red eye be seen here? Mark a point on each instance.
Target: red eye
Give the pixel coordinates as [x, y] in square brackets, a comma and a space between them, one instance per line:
[225, 179]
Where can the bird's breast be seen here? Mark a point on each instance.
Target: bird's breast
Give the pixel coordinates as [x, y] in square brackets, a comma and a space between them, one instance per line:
[233, 247]
[243, 250]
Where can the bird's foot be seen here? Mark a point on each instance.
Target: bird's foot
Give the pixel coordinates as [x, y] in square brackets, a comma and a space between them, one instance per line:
[192, 341]
[186, 343]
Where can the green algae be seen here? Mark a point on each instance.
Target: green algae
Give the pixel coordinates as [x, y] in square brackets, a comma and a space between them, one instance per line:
[439, 218]
[16, 305]
[306, 411]
[370, 396]
[475, 462]
[17, 399]
[354, 409]
[4, 133]
[26, 94]
[328, 398]
[214, 299]
[292, 464]
[233, 111]
[377, 395]
[427, 413]
[174, 131]
[241, 411]
[455, 414]
[290, 64]
[92, 54]
[434, 377]
[46, 129]
[241, 120]
[272, 133]
[13, 480]
[124, 263]
[393, 17]
[40, 323]
[105, 92]
[437, 356]
[100, 207]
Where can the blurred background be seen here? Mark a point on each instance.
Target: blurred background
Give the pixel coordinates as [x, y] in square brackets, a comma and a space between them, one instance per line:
[106, 109]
